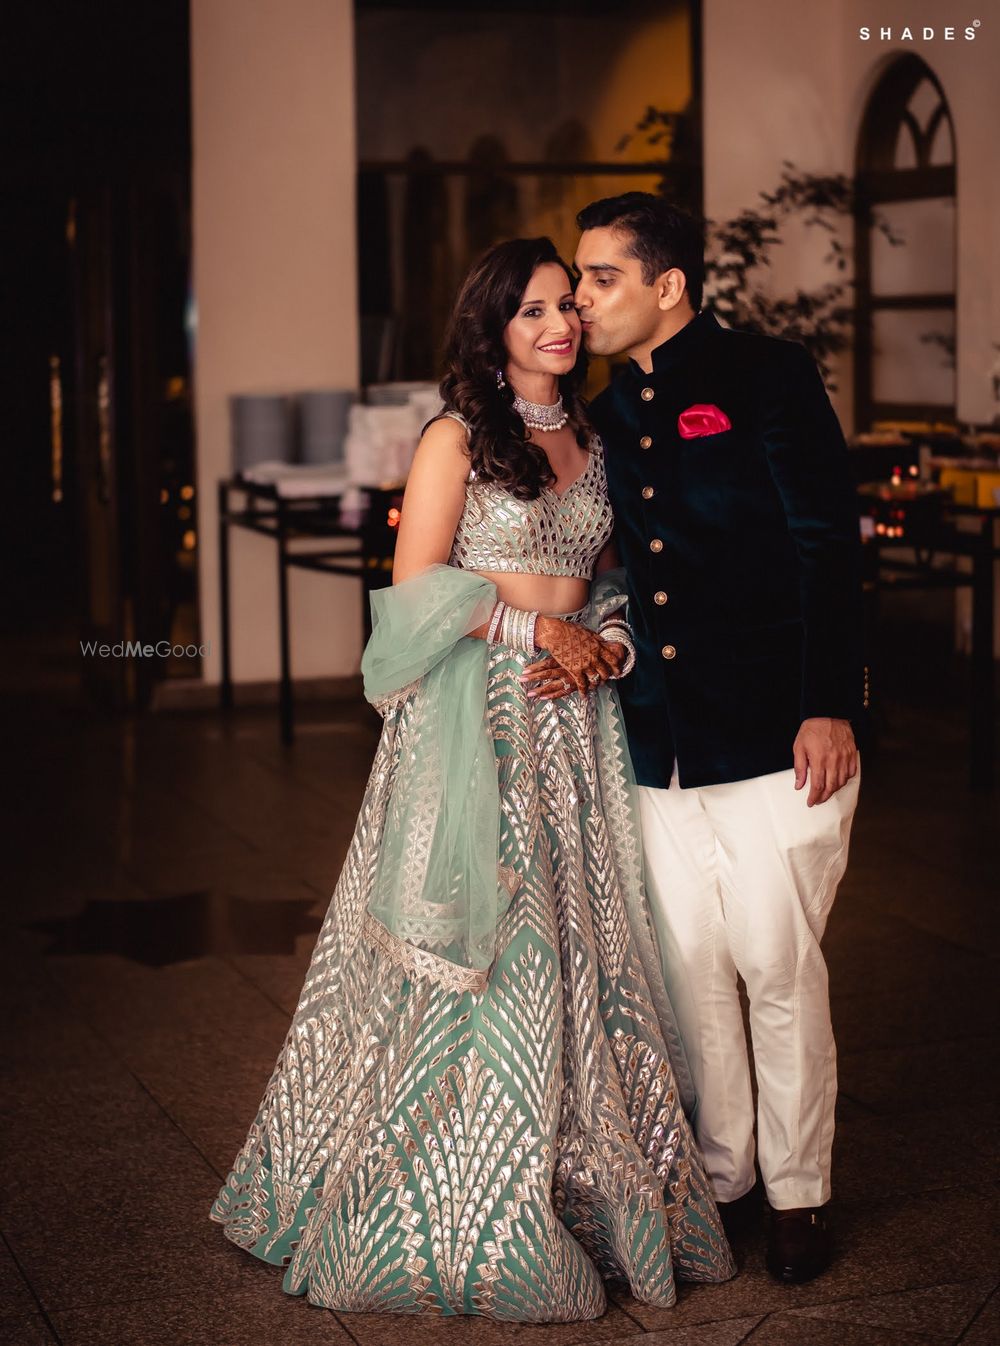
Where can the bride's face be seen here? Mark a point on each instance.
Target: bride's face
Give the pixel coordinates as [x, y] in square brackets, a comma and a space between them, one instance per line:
[543, 337]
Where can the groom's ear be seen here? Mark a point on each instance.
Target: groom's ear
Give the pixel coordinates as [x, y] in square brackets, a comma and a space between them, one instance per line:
[671, 286]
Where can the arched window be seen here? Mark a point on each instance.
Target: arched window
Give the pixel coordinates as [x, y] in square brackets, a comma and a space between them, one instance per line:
[905, 250]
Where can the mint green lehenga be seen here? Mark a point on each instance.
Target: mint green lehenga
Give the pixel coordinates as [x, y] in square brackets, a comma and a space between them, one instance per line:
[480, 1103]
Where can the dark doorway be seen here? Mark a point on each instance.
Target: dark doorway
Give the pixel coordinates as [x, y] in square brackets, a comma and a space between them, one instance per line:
[101, 534]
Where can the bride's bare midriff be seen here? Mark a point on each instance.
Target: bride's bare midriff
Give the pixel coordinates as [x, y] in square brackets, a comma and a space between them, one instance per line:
[551, 595]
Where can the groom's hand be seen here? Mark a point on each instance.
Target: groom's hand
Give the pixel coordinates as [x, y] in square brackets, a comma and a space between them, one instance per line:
[826, 751]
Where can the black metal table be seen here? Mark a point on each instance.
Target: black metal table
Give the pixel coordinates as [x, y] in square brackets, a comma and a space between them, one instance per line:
[288, 519]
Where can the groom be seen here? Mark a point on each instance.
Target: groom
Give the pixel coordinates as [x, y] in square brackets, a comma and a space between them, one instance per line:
[737, 525]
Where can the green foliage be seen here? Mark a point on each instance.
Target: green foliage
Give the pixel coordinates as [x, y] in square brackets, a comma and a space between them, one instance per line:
[822, 317]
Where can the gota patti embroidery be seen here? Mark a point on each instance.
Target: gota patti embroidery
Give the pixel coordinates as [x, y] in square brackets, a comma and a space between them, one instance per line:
[421, 962]
[555, 534]
[425, 1145]
[386, 704]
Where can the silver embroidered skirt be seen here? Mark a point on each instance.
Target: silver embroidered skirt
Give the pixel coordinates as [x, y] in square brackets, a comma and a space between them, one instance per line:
[426, 1144]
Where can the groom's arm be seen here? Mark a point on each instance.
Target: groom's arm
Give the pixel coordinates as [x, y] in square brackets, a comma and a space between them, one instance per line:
[808, 460]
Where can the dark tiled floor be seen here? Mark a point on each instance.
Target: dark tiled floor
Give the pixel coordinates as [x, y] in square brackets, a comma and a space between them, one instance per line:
[165, 883]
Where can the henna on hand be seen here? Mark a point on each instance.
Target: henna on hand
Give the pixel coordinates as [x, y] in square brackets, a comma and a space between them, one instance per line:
[576, 654]
[615, 654]
[546, 680]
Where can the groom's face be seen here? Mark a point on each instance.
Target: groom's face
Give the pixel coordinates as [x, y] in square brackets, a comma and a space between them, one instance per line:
[619, 312]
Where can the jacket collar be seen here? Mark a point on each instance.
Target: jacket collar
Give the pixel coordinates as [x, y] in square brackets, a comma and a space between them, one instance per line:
[682, 345]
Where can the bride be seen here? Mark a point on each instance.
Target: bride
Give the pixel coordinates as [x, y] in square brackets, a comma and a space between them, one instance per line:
[481, 1105]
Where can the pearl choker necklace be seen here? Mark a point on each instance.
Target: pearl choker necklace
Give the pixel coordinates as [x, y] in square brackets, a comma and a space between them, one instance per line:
[538, 416]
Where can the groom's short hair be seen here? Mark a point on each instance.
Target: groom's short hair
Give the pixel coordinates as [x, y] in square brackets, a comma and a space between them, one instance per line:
[661, 236]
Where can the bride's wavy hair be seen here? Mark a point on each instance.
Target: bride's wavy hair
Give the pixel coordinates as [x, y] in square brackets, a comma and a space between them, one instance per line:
[489, 298]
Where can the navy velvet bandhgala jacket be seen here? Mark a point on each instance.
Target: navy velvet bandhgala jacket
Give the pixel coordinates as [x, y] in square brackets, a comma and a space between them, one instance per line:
[742, 553]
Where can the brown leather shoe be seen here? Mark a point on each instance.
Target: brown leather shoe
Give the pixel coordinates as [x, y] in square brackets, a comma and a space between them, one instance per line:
[798, 1245]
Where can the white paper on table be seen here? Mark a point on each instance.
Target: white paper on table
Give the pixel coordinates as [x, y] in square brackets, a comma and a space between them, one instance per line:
[297, 480]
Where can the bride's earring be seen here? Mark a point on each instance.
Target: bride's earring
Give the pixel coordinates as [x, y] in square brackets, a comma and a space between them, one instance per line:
[500, 380]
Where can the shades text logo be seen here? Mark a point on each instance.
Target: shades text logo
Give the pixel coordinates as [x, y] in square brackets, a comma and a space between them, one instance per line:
[950, 33]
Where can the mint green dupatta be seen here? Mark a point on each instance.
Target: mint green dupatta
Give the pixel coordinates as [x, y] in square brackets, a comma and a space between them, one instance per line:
[437, 885]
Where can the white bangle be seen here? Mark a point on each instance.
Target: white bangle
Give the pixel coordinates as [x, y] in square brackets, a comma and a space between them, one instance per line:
[517, 629]
[612, 632]
[529, 633]
[618, 623]
[617, 635]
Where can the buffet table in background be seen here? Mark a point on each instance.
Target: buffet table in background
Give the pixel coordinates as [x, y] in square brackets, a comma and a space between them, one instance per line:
[301, 467]
[364, 519]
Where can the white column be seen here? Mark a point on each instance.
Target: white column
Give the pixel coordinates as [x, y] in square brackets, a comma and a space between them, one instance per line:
[275, 280]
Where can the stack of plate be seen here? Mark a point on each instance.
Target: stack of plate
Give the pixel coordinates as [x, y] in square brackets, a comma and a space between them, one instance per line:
[263, 429]
[323, 424]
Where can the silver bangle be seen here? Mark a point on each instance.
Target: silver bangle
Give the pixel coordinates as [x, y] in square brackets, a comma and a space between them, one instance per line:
[620, 635]
[529, 633]
[495, 620]
[517, 629]
[509, 628]
[612, 632]
[618, 624]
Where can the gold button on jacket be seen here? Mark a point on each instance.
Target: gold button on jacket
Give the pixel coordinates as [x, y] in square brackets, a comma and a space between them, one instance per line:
[648, 493]
[668, 652]
[646, 442]
[659, 597]
[647, 394]
[656, 545]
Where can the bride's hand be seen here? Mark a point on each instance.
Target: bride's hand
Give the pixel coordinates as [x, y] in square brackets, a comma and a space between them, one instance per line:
[579, 660]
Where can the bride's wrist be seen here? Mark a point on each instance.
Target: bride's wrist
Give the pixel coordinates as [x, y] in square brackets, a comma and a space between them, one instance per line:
[512, 626]
[545, 629]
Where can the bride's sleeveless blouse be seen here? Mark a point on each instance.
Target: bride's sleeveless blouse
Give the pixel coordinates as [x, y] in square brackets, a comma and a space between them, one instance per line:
[559, 533]
[434, 1139]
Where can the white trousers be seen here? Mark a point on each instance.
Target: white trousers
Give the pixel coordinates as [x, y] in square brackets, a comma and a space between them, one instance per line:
[741, 878]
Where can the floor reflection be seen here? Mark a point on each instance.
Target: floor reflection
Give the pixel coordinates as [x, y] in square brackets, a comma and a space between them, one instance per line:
[173, 929]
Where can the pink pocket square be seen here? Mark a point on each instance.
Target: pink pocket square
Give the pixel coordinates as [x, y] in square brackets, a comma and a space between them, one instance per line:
[702, 419]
